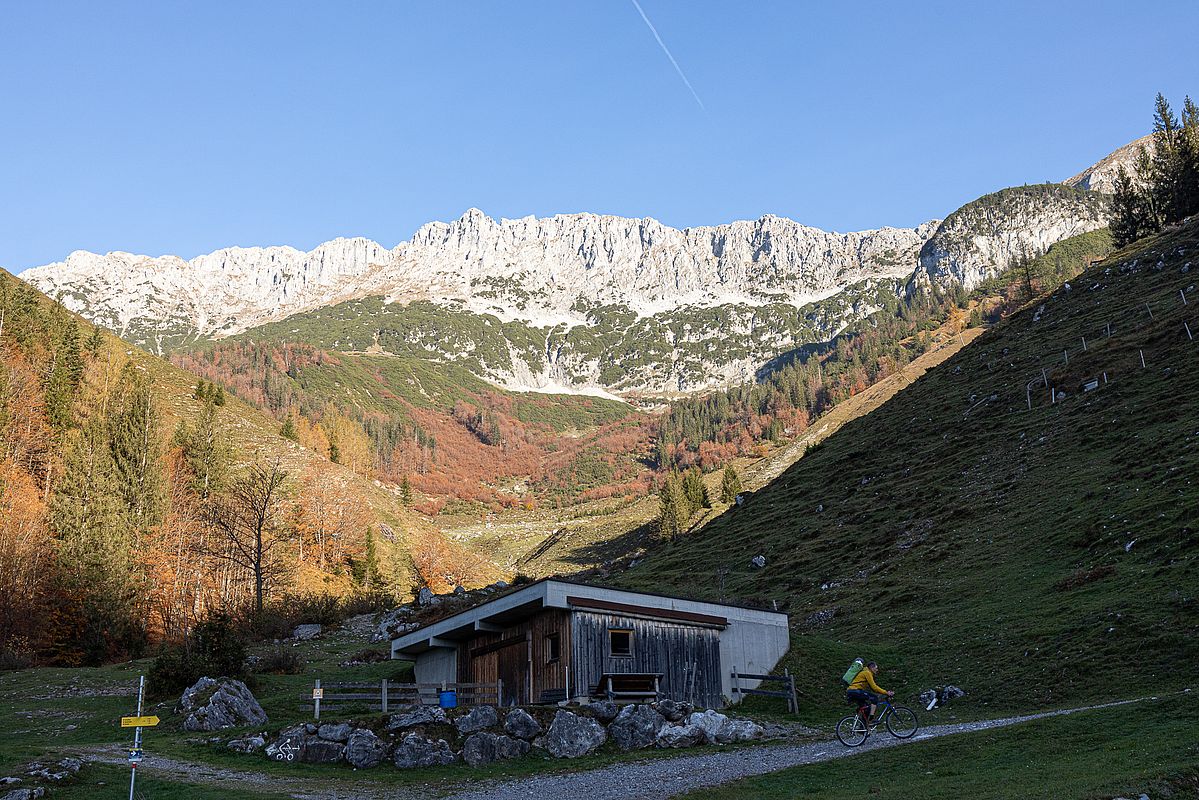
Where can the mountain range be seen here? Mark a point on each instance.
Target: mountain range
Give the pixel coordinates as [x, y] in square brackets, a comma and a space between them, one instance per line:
[573, 302]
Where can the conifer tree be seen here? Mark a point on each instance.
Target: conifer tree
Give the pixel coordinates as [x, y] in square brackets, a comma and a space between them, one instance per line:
[133, 441]
[288, 430]
[673, 514]
[206, 451]
[730, 485]
[406, 491]
[695, 491]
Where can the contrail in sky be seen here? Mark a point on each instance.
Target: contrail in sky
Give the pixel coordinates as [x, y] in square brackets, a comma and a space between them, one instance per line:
[666, 50]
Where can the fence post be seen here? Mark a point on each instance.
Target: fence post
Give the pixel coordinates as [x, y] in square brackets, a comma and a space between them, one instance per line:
[316, 700]
[736, 684]
[792, 703]
[383, 695]
[499, 692]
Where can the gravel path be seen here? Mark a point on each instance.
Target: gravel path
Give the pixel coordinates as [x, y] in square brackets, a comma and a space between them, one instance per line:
[659, 780]
[656, 779]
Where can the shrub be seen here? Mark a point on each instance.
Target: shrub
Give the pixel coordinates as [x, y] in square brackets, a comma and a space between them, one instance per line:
[280, 661]
[214, 648]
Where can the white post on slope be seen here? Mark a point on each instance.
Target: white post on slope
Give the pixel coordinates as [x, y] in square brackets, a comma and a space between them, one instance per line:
[1084, 344]
[136, 755]
[1183, 295]
[1142, 354]
[1188, 327]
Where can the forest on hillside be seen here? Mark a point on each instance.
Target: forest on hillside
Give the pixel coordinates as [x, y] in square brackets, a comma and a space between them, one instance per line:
[119, 533]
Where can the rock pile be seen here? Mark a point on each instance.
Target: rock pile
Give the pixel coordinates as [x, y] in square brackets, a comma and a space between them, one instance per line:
[426, 736]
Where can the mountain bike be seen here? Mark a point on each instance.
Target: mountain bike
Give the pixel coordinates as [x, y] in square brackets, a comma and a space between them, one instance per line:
[900, 721]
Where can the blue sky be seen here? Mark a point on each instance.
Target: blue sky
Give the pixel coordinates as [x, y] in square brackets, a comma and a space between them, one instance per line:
[185, 127]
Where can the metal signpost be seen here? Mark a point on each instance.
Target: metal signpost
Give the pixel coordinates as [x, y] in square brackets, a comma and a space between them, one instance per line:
[137, 723]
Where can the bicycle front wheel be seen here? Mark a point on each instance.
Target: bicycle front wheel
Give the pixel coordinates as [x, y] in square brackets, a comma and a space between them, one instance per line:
[852, 731]
[902, 722]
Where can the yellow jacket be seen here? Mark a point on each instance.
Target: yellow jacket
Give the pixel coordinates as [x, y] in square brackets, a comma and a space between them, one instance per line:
[865, 680]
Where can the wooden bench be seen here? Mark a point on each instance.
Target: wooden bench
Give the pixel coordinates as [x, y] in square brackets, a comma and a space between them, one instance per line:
[551, 697]
[628, 687]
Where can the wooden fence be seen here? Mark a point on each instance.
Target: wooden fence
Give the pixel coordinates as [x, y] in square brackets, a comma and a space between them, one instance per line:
[386, 695]
[787, 692]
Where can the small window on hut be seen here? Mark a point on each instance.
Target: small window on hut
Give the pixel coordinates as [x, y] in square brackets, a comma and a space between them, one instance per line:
[620, 642]
[553, 648]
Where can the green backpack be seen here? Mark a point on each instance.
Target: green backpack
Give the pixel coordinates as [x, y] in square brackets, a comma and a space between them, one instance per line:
[851, 673]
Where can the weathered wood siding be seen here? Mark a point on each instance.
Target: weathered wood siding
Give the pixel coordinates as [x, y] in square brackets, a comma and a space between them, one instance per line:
[506, 654]
[688, 656]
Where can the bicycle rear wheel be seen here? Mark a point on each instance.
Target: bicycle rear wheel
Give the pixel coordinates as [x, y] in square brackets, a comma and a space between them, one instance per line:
[902, 722]
[852, 731]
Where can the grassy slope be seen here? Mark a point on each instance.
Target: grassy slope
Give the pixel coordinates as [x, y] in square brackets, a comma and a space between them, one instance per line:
[1118, 751]
[985, 545]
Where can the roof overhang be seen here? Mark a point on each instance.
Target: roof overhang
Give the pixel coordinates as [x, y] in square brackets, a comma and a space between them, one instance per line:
[511, 608]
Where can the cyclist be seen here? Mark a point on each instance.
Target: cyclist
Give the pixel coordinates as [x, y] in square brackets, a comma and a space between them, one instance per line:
[865, 692]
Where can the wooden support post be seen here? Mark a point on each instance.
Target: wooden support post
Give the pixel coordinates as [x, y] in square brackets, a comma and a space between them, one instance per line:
[499, 691]
[383, 695]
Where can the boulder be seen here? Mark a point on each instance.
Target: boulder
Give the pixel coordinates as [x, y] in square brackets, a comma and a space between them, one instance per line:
[571, 736]
[673, 710]
[365, 750]
[486, 748]
[686, 735]
[250, 744]
[605, 710]
[425, 597]
[745, 730]
[758, 562]
[635, 727]
[306, 632]
[520, 724]
[322, 751]
[479, 718]
[715, 726]
[24, 794]
[290, 744]
[335, 732]
[420, 751]
[416, 715]
[213, 705]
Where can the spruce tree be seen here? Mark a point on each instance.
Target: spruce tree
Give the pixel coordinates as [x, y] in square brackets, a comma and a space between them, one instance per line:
[133, 442]
[207, 453]
[673, 514]
[730, 485]
[406, 491]
[695, 491]
[288, 431]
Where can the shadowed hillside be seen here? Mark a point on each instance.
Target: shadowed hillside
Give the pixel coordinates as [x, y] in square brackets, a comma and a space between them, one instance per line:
[1031, 556]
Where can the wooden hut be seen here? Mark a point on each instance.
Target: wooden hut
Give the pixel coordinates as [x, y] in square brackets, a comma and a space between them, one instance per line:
[558, 640]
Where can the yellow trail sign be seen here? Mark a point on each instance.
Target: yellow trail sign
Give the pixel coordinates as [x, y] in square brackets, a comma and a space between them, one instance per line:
[138, 722]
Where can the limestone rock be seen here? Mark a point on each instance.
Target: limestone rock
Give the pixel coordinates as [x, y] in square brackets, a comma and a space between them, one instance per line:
[420, 751]
[28, 793]
[686, 735]
[217, 704]
[485, 748]
[290, 744]
[520, 724]
[249, 744]
[635, 727]
[571, 736]
[716, 726]
[416, 715]
[306, 632]
[322, 751]
[604, 710]
[365, 750]
[335, 732]
[673, 710]
[479, 718]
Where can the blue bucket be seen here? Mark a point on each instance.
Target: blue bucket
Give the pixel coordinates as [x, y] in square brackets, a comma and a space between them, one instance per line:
[448, 698]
